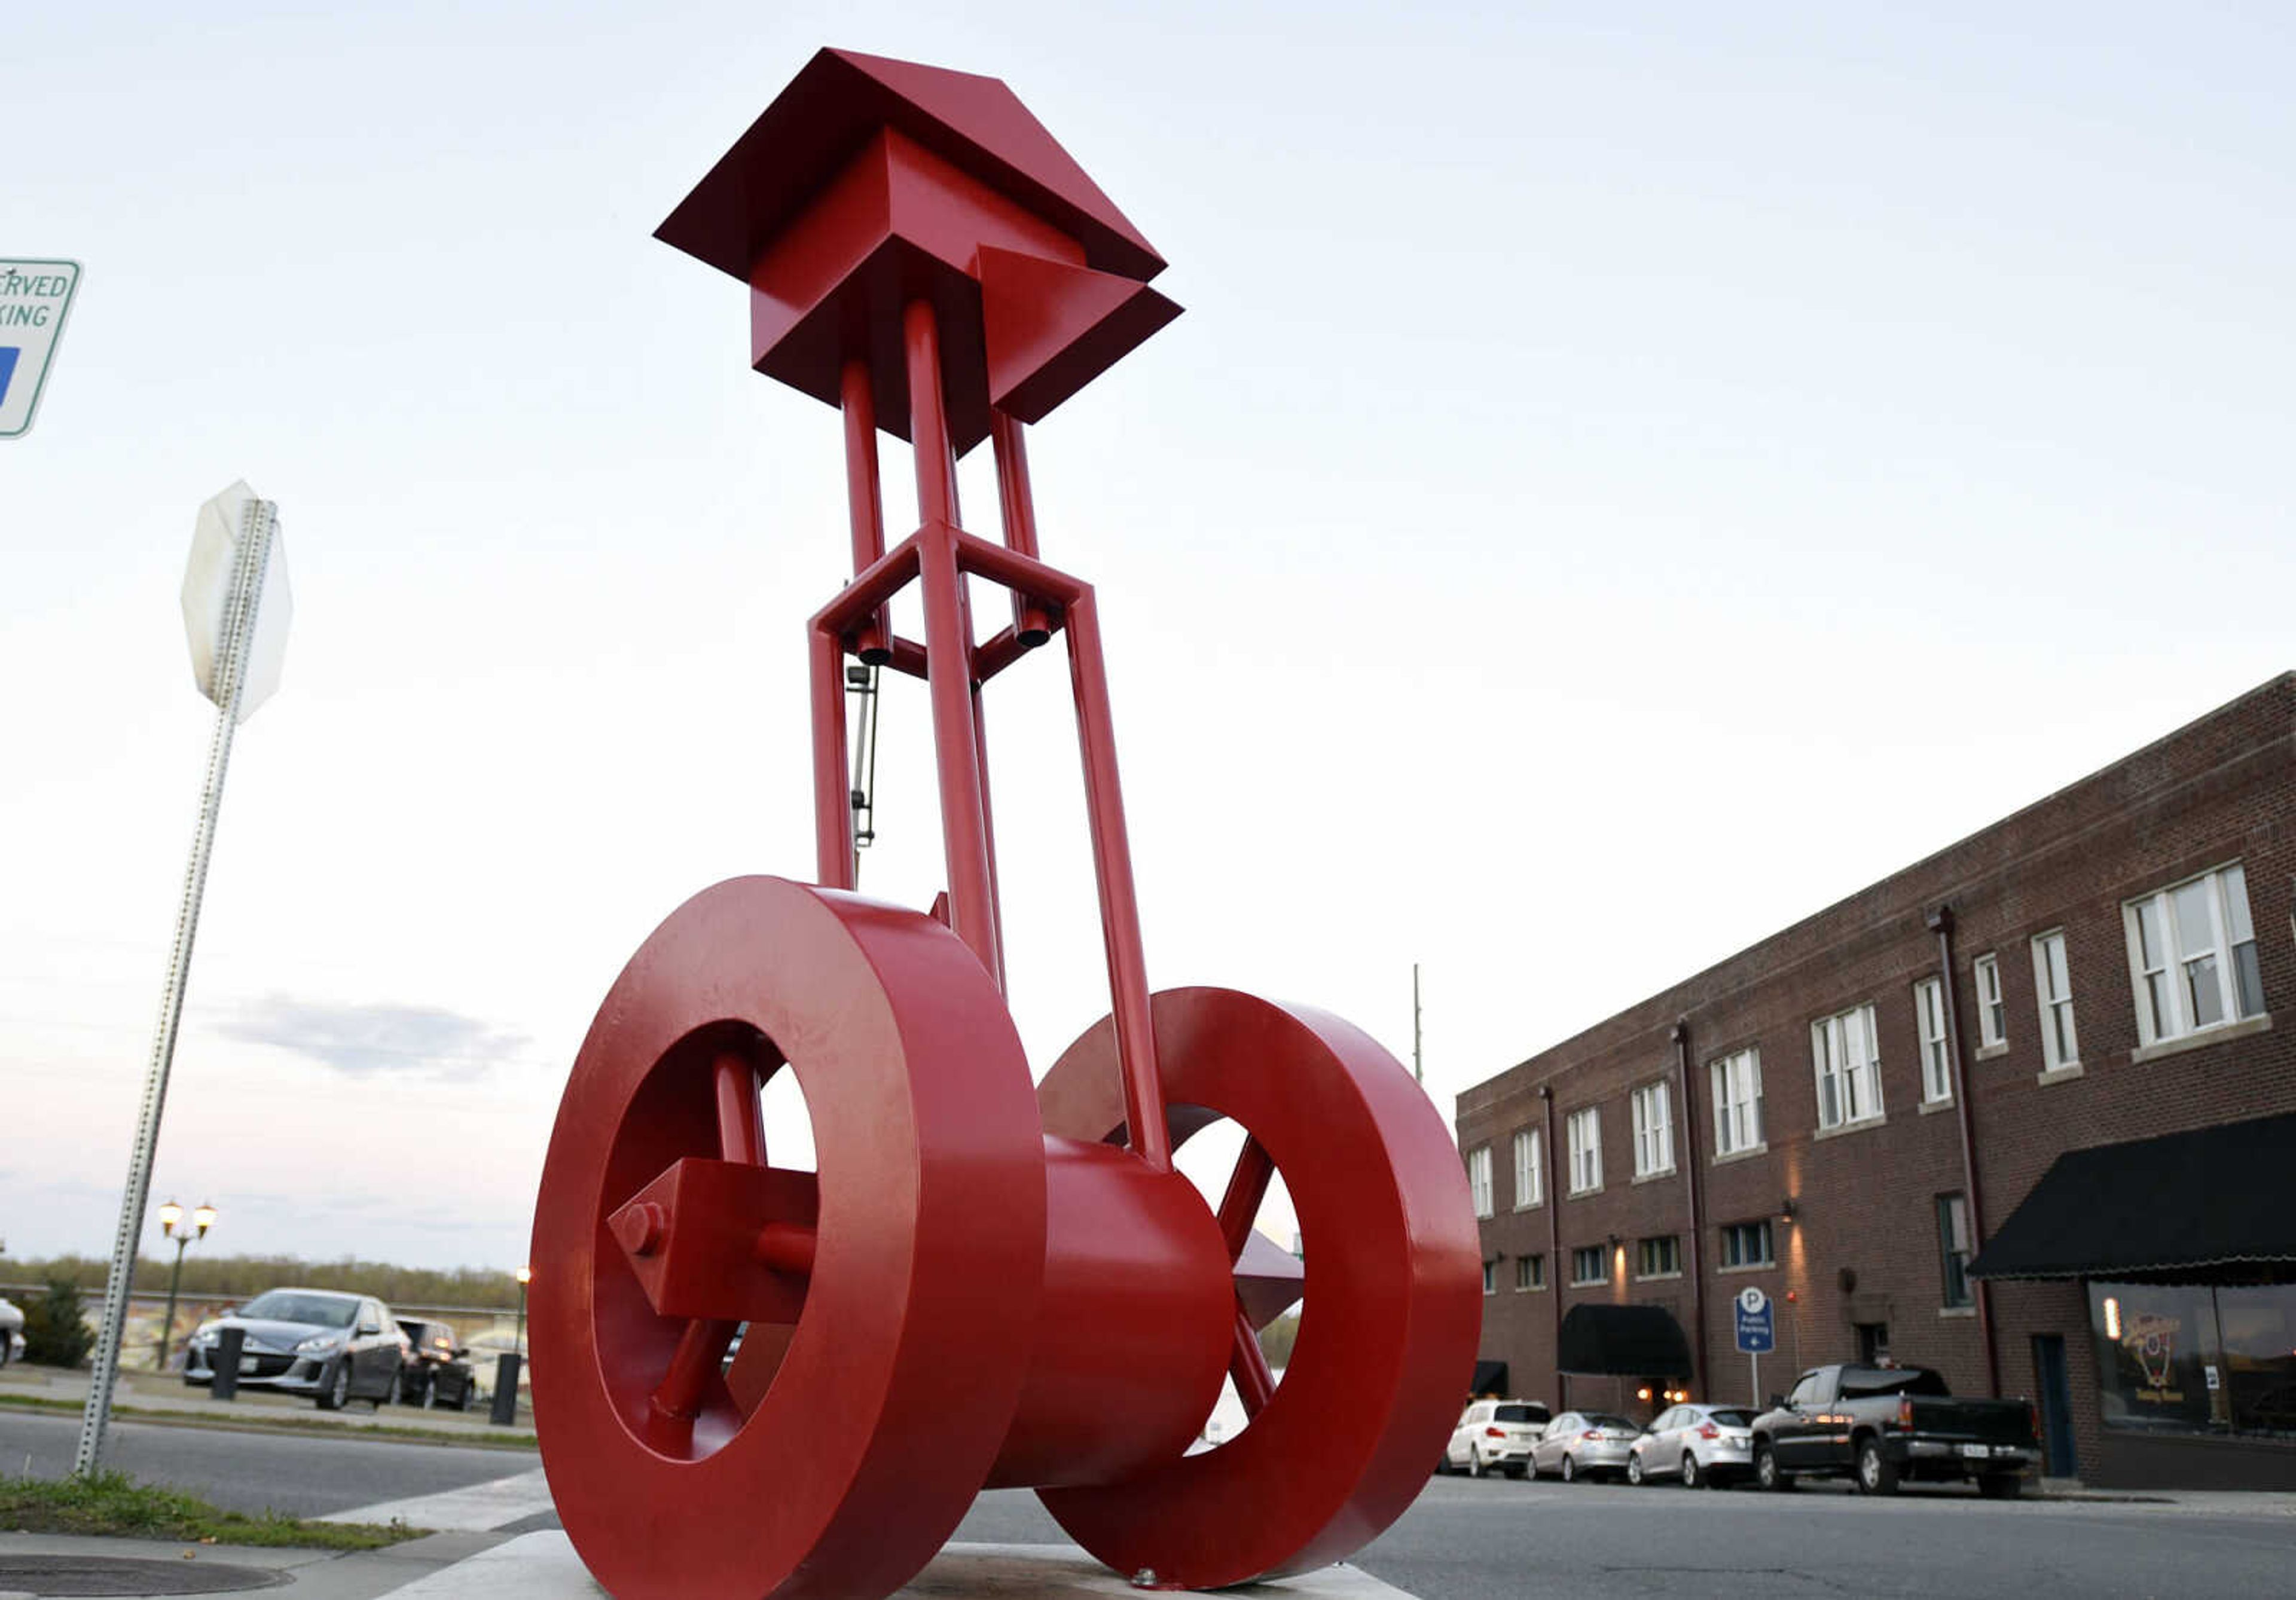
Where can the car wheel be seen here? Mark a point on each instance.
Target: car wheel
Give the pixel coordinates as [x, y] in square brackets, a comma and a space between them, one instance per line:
[430, 1401]
[1474, 1463]
[1877, 1474]
[1768, 1473]
[335, 1388]
[1569, 1470]
[2000, 1486]
[1634, 1471]
[1690, 1478]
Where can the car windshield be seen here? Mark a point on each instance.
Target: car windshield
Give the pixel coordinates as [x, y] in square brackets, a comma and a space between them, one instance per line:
[1725, 1416]
[1521, 1413]
[1893, 1380]
[1604, 1419]
[288, 1305]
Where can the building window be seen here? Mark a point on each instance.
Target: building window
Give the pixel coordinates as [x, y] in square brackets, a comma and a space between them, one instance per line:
[1659, 1257]
[1490, 1277]
[1586, 1130]
[1929, 1014]
[2196, 1358]
[2053, 981]
[1955, 1248]
[1992, 1014]
[1747, 1244]
[1849, 1064]
[1479, 1179]
[2191, 954]
[1530, 1272]
[1737, 1102]
[1527, 1175]
[1590, 1264]
[1654, 1130]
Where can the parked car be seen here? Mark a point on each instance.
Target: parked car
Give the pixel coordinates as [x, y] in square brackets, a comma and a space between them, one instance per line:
[1580, 1444]
[1494, 1436]
[1882, 1425]
[1702, 1446]
[12, 1331]
[436, 1371]
[485, 1352]
[332, 1346]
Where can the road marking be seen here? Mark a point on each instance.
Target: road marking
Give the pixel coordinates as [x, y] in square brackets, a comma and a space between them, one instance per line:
[480, 1508]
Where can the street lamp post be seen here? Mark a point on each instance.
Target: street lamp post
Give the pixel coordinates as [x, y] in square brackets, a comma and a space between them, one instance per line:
[171, 1225]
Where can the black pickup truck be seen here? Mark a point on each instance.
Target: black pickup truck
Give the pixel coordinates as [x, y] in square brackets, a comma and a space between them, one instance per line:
[1883, 1425]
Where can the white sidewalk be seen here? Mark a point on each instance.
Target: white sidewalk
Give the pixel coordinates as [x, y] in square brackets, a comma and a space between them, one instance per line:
[543, 1566]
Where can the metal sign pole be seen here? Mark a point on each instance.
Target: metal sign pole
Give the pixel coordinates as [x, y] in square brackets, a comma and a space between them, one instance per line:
[239, 627]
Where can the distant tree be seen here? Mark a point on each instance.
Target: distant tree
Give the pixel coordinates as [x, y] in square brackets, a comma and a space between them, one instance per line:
[214, 1277]
[1276, 1339]
[55, 1327]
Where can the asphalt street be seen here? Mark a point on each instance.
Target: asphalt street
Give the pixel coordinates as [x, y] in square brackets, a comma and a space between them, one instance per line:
[300, 1474]
[1492, 1539]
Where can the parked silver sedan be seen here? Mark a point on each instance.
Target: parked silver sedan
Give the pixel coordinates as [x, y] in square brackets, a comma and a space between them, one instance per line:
[1700, 1445]
[1580, 1444]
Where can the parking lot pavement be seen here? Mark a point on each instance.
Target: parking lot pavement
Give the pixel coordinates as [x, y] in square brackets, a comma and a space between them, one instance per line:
[1496, 1539]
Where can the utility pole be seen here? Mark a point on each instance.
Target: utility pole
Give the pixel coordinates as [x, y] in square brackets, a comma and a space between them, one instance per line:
[1418, 1068]
[236, 613]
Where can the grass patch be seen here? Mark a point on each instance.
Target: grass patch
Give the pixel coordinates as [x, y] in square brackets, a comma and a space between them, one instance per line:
[115, 1505]
[274, 1422]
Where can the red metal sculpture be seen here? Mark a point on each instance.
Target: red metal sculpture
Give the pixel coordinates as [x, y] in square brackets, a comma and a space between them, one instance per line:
[980, 1285]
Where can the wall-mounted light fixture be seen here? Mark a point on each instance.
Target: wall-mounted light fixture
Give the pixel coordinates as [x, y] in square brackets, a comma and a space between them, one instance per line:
[1787, 1209]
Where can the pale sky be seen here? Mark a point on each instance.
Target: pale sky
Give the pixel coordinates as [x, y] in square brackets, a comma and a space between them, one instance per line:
[1626, 477]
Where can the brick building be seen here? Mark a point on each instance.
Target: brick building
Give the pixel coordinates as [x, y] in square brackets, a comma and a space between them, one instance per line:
[1847, 1114]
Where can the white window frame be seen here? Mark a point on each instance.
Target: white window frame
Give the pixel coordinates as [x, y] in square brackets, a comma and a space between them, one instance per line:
[2168, 990]
[1490, 1277]
[1479, 1179]
[1643, 1251]
[1737, 1079]
[1767, 1233]
[1845, 1054]
[1653, 1114]
[1585, 1127]
[1533, 1268]
[2060, 1034]
[1937, 1058]
[1529, 1170]
[1992, 1010]
[1600, 1253]
[1954, 1246]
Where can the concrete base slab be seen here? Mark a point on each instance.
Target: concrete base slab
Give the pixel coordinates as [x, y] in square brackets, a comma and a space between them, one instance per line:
[543, 1566]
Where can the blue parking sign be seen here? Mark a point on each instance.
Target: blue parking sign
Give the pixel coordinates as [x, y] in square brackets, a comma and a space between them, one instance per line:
[1757, 1322]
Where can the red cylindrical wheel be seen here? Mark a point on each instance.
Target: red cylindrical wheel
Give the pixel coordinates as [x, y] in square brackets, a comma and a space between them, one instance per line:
[1393, 1307]
[891, 1300]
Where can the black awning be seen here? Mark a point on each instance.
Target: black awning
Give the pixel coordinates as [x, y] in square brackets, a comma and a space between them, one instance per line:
[1491, 1378]
[1627, 1341]
[2211, 1197]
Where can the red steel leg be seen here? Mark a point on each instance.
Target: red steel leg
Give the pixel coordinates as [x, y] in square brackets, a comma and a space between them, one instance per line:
[834, 866]
[948, 654]
[1030, 622]
[1247, 1186]
[1119, 903]
[864, 501]
[740, 1132]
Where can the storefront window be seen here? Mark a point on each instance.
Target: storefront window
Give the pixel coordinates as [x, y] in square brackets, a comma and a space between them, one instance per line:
[2196, 1358]
[2259, 1348]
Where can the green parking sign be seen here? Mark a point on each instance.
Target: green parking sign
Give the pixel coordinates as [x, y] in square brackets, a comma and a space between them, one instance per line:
[35, 295]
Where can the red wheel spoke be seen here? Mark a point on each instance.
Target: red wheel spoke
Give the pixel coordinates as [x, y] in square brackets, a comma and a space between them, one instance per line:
[1247, 1186]
[701, 1353]
[741, 1131]
[1247, 1363]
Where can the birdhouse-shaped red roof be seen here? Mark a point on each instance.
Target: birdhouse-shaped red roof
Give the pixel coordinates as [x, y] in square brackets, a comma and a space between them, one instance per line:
[870, 181]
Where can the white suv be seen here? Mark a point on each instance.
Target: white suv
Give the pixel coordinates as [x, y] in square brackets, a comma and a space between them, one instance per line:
[1494, 1436]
